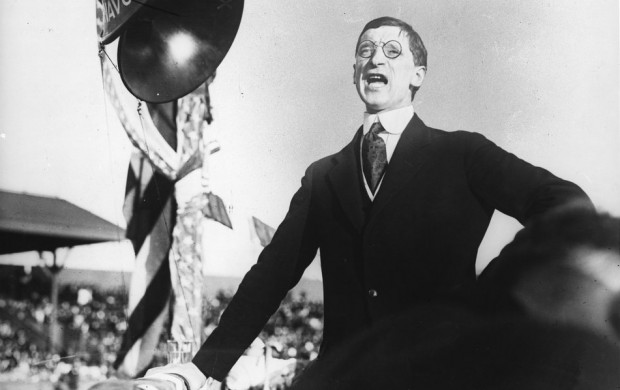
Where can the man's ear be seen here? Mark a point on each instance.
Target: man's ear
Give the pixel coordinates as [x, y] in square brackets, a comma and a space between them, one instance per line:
[354, 81]
[418, 77]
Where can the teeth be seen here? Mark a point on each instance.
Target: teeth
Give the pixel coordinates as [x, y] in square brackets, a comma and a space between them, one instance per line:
[377, 78]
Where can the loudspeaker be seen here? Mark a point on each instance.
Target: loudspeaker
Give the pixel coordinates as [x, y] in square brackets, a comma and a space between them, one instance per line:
[168, 48]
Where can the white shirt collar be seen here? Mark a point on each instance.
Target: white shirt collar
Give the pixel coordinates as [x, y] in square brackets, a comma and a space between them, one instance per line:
[393, 121]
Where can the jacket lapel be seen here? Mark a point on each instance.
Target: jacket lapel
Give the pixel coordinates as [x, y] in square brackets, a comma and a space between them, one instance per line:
[345, 180]
[409, 156]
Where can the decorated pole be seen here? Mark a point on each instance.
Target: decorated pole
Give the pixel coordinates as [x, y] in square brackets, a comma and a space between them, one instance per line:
[193, 118]
[167, 55]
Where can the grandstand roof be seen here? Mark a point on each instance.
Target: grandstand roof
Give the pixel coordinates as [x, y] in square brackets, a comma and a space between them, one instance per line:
[30, 222]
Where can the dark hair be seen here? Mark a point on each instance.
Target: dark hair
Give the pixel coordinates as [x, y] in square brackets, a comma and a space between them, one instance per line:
[415, 42]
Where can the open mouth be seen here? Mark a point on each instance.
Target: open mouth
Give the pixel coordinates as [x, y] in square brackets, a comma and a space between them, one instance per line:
[376, 78]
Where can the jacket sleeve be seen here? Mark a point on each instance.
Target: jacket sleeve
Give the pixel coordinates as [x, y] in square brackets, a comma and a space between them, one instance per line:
[278, 269]
[513, 186]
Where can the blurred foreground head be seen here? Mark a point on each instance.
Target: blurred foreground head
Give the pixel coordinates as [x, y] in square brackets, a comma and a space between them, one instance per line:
[442, 347]
[563, 268]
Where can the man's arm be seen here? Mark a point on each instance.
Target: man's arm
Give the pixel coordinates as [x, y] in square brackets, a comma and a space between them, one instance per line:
[280, 266]
[513, 186]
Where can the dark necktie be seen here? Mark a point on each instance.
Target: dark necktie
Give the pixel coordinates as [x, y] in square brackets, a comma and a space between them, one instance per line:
[374, 156]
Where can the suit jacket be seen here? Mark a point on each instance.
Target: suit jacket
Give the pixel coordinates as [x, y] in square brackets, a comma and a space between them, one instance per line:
[417, 243]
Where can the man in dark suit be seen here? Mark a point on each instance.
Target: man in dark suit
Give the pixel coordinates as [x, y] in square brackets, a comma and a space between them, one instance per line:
[398, 214]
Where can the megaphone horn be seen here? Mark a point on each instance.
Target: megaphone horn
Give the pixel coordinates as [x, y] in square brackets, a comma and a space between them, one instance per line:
[170, 47]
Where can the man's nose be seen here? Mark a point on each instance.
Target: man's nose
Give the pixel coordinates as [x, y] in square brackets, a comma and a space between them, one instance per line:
[378, 57]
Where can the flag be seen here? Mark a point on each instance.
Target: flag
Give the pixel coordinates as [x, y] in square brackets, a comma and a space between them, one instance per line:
[264, 232]
[215, 209]
[150, 212]
[232, 251]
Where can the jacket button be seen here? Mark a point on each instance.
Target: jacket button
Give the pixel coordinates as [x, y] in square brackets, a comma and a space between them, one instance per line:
[372, 292]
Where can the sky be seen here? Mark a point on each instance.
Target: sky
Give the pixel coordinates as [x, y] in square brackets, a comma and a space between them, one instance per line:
[539, 78]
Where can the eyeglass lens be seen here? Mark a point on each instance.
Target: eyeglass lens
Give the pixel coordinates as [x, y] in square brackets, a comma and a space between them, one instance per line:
[391, 49]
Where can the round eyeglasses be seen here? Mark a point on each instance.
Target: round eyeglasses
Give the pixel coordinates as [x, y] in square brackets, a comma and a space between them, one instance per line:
[391, 49]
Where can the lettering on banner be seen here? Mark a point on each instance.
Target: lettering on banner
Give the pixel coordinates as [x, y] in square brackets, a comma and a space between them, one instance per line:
[110, 9]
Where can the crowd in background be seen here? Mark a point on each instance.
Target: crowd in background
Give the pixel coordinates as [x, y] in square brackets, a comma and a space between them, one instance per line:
[294, 331]
[91, 334]
[93, 324]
